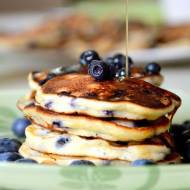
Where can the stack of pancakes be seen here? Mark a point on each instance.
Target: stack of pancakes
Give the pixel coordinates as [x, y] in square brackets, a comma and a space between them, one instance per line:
[74, 117]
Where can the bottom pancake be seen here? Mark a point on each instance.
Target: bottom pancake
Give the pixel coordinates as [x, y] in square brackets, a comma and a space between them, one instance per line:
[45, 158]
[63, 144]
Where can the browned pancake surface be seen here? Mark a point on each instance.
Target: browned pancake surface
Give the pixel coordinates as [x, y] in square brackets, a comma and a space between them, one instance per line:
[130, 90]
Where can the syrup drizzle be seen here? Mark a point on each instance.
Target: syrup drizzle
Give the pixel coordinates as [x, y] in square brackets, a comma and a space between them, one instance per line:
[127, 63]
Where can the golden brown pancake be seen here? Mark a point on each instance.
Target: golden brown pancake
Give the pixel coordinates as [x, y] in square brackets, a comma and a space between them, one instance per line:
[45, 158]
[44, 140]
[130, 98]
[113, 130]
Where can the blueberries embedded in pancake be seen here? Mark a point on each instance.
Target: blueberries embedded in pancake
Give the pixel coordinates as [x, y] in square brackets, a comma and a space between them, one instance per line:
[108, 113]
[147, 91]
[153, 68]
[98, 70]
[62, 141]
[90, 95]
[64, 93]
[88, 56]
[57, 124]
[82, 163]
[48, 105]
[118, 94]
[72, 103]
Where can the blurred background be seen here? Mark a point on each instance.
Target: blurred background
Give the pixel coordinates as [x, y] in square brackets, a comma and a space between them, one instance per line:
[43, 34]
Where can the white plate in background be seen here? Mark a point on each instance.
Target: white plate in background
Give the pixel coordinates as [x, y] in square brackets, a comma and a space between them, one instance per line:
[165, 55]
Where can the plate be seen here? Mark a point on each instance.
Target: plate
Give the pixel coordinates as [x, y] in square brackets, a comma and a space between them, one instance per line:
[29, 177]
[163, 55]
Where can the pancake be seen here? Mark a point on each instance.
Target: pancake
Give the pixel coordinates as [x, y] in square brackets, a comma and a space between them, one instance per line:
[131, 98]
[112, 130]
[37, 78]
[44, 140]
[45, 158]
[26, 101]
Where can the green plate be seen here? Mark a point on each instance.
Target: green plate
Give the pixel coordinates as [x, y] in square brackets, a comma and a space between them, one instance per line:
[38, 177]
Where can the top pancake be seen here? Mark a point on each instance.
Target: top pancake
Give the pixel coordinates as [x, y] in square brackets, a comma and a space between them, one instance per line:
[130, 98]
[130, 90]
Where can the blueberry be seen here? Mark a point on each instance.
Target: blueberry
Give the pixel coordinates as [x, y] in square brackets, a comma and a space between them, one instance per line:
[142, 162]
[82, 163]
[186, 151]
[26, 160]
[186, 125]
[130, 64]
[10, 156]
[186, 135]
[62, 141]
[186, 122]
[121, 74]
[88, 56]
[19, 126]
[153, 68]
[9, 145]
[130, 61]
[176, 129]
[99, 70]
[118, 61]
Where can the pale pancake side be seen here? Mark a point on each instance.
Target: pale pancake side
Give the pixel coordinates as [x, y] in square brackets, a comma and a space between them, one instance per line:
[45, 158]
[113, 130]
[44, 140]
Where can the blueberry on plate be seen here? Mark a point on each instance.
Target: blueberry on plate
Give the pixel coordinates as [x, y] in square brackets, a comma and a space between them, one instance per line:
[88, 56]
[186, 151]
[99, 70]
[9, 145]
[186, 135]
[82, 163]
[186, 125]
[9, 156]
[26, 160]
[176, 129]
[153, 68]
[142, 162]
[19, 126]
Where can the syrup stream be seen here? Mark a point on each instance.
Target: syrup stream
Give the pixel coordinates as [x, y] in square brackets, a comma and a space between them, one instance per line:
[126, 19]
